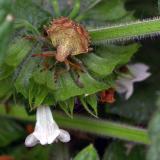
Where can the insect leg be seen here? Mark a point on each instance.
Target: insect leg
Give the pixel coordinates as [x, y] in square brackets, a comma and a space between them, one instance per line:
[45, 54]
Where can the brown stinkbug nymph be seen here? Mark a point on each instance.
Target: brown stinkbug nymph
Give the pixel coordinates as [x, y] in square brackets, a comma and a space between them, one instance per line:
[68, 37]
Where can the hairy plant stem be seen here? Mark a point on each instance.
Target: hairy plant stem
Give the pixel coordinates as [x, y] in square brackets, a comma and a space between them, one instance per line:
[90, 125]
[128, 31]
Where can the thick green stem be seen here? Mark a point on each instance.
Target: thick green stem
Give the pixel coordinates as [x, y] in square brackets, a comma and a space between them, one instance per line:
[76, 9]
[56, 7]
[123, 32]
[103, 128]
[90, 125]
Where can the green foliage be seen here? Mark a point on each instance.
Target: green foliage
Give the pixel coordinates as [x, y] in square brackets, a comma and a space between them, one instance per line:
[40, 152]
[34, 154]
[10, 132]
[154, 132]
[68, 106]
[138, 152]
[107, 11]
[123, 151]
[17, 52]
[55, 7]
[6, 24]
[141, 105]
[25, 76]
[6, 87]
[115, 151]
[90, 104]
[75, 9]
[30, 11]
[39, 86]
[88, 153]
[159, 5]
[107, 58]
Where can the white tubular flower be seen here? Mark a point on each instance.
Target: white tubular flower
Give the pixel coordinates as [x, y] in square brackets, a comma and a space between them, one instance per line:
[137, 72]
[46, 130]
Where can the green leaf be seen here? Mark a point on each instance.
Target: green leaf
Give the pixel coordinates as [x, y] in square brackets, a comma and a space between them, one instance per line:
[35, 153]
[86, 6]
[20, 23]
[120, 151]
[4, 4]
[40, 152]
[23, 80]
[17, 52]
[90, 104]
[4, 9]
[50, 81]
[5, 71]
[107, 11]
[40, 85]
[30, 11]
[44, 78]
[66, 86]
[15, 55]
[56, 7]
[92, 101]
[138, 152]
[37, 94]
[6, 129]
[115, 151]
[88, 153]
[123, 32]
[139, 108]
[76, 9]
[68, 106]
[57, 151]
[6, 25]
[159, 6]
[106, 59]
[6, 86]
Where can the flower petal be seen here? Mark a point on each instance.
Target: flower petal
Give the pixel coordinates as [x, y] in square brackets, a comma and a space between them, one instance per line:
[64, 136]
[31, 141]
[124, 86]
[120, 87]
[139, 71]
[46, 130]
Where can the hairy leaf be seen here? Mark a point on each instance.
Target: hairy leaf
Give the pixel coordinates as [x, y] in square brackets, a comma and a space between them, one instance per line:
[17, 52]
[107, 58]
[30, 11]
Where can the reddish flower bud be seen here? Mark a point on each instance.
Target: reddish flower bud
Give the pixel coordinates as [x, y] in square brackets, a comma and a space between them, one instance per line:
[107, 96]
